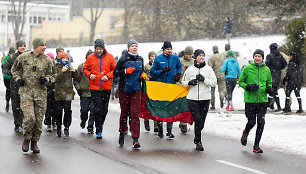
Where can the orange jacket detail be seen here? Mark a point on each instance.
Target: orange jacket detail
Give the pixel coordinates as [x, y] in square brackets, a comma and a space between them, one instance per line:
[100, 66]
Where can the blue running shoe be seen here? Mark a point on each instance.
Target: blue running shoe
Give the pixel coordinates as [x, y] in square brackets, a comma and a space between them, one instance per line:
[99, 135]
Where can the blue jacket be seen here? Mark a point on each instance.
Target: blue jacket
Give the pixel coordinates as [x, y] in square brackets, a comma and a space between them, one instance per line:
[232, 67]
[163, 61]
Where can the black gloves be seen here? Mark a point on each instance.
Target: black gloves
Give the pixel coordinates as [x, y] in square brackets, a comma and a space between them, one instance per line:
[177, 77]
[193, 82]
[80, 92]
[166, 69]
[251, 87]
[269, 90]
[200, 77]
[42, 80]
[20, 82]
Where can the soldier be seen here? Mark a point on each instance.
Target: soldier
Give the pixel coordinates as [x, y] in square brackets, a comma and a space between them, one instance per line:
[33, 72]
[147, 69]
[186, 61]
[17, 112]
[216, 62]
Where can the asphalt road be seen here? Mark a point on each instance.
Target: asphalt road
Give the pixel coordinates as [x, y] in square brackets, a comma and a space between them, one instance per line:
[82, 153]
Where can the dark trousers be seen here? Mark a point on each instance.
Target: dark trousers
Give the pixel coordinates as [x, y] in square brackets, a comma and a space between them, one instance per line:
[255, 111]
[230, 86]
[8, 89]
[198, 111]
[66, 106]
[297, 94]
[17, 112]
[275, 96]
[86, 106]
[100, 102]
[51, 110]
[130, 103]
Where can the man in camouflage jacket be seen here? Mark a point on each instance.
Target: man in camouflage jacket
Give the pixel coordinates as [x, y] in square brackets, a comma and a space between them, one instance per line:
[33, 72]
[216, 61]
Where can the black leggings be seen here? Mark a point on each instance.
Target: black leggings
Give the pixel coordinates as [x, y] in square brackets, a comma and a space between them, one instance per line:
[198, 111]
[253, 111]
[296, 91]
[8, 89]
[230, 86]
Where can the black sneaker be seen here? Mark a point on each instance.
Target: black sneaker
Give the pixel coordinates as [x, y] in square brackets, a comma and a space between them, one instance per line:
[136, 144]
[170, 136]
[66, 131]
[121, 139]
[183, 129]
[244, 138]
[199, 147]
[59, 133]
[82, 124]
[257, 149]
[299, 111]
[212, 108]
[90, 130]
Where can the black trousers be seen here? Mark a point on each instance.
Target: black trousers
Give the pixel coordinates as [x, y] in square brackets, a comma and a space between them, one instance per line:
[87, 105]
[8, 89]
[66, 106]
[230, 86]
[100, 102]
[51, 110]
[255, 111]
[198, 111]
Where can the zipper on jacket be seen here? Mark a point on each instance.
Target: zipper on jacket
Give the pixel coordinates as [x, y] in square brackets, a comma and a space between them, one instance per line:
[258, 83]
[199, 88]
[100, 74]
[167, 72]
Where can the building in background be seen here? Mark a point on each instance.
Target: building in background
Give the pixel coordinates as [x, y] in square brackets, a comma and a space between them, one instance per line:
[76, 32]
[35, 16]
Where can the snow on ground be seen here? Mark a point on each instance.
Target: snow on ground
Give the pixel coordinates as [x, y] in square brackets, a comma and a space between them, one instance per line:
[282, 132]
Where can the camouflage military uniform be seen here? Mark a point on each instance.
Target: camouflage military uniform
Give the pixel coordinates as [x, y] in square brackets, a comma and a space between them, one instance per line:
[33, 95]
[17, 112]
[185, 64]
[147, 69]
[215, 62]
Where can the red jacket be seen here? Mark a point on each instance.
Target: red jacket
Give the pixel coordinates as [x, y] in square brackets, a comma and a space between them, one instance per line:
[100, 66]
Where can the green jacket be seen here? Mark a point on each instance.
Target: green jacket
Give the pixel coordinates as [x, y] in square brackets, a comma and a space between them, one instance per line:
[4, 60]
[63, 83]
[83, 84]
[255, 74]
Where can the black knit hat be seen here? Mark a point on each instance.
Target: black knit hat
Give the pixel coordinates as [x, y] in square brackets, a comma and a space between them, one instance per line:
[89, 52]
[198, 52]
[167, 44]
[273, 46]
[259, 51]
[99, 43]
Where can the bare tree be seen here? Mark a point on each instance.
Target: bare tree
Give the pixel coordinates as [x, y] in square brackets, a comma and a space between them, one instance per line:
[18, 17]
[96, 9]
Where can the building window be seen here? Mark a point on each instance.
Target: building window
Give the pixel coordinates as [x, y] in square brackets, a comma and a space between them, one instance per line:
[112, 22]
[39, 20]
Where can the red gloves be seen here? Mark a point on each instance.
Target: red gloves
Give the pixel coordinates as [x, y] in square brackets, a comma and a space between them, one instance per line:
[130, 70]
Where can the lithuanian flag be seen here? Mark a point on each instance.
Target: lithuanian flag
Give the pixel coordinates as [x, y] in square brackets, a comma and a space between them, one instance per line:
[165, 102]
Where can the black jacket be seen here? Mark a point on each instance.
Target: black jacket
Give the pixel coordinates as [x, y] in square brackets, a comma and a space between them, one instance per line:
[293, 77]
[276, 62]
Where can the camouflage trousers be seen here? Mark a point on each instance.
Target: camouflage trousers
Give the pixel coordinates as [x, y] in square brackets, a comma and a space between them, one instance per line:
[221, 89]
[34, 110]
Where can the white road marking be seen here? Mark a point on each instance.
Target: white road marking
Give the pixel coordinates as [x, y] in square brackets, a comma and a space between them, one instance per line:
[241, 167]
